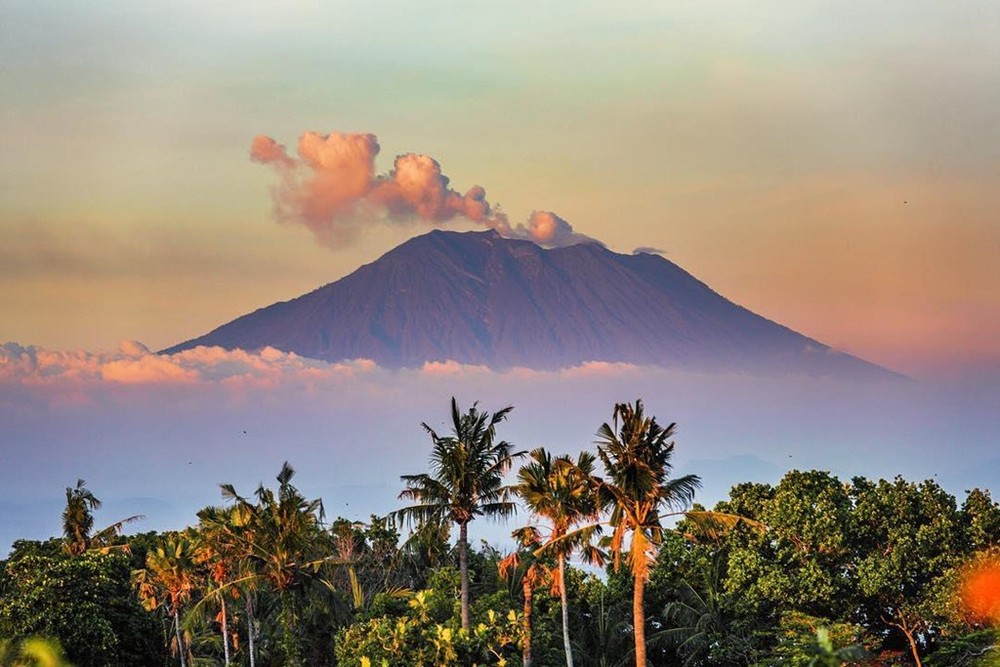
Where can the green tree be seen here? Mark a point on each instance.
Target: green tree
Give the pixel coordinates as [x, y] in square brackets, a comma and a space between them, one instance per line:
[422, 632]
[808, 641]
[84, 602]
[466, 481]
[602, 610]
[533, 573]
[78, 521]
[230, 534]
[283, 544]
[168, 581]
[636, 452]
[804, 560]
[565, 494]
[218, 550]
[981, 519]
[908, 539]
[707, 625]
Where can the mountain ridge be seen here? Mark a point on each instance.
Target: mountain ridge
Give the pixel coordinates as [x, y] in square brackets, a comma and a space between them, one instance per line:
[479, 298]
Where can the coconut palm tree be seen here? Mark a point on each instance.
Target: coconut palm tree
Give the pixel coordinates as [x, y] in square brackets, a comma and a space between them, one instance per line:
[283, 543]
[229, 532]
[466, 481]
[565, 494]
[168, 580]
[219, 550]
[700, 622]
[78, 521]
[636, 453]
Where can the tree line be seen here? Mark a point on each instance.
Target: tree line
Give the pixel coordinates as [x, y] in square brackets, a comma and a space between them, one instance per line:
[613, 565]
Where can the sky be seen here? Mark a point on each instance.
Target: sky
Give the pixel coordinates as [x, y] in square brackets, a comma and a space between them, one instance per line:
[829, 165]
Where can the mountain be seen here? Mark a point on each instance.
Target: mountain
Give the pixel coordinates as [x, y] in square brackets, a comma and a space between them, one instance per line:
[479, 298]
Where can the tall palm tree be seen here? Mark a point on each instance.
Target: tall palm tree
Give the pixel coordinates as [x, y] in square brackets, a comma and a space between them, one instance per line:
[219, 550]
[284, 544]
[168, 580]
[565, 494]
[636, 453]
[226, 537]
[466, 481]
[78, 521]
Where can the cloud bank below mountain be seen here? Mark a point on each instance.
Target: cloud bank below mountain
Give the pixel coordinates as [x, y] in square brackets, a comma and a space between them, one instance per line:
[158, 433]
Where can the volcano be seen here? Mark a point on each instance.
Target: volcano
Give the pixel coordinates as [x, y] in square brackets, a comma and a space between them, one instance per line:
[479, 298]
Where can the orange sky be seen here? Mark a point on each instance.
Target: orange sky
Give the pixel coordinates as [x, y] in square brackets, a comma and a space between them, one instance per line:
[832, 167]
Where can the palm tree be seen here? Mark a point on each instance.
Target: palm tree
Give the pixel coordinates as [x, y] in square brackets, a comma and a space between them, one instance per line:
[230, 535]
[78, 518]
[219, 550]
[566, 495]
[636, 453]
[78, 521]
[700, 623]
[466, 481]
[534, 573]
[168, 581]
[282, 544]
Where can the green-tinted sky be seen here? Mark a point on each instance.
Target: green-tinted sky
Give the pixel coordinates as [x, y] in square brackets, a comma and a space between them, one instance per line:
[831, 165]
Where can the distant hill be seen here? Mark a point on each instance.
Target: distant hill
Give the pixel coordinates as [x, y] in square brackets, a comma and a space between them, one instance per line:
[479, 298]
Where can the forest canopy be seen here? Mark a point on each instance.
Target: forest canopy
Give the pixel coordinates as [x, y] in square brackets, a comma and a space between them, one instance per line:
[611, 562]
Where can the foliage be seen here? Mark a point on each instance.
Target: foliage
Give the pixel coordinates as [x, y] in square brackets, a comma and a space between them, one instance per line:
[707, 625]
[807, 641]
[976, 649]
[427, 635]
[801, 561]
[84, 602]
[78, 521]
[636, 452]
[282, 543]
[601, 623]
[533, 572]
[564, 493]
[907, 537]
[466, 481]
[168, 582]
[266, 582]
[34, 652]
[981, 520]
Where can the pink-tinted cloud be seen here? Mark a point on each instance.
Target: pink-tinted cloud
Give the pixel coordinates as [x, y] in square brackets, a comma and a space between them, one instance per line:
[332, 188]
[451, 368]
[548, 229]
[134, 364]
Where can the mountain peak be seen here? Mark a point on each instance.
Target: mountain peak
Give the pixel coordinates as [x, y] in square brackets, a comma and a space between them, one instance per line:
[480, 298]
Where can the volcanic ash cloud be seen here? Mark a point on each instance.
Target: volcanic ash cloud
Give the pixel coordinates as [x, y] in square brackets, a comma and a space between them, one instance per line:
[332, 188]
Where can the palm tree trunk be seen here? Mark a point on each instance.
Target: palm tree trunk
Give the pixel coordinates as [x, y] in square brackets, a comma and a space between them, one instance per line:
[463, 569]
[526, 640]
[565, 610]
[639, 621]
[180, 639]
[225, 631]
[250, 629]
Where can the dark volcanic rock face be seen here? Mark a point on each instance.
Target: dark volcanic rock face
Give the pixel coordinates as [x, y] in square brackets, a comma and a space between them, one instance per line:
[478, 298]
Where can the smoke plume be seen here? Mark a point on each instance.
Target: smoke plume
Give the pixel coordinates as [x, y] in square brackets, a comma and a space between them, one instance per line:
[332, 188]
